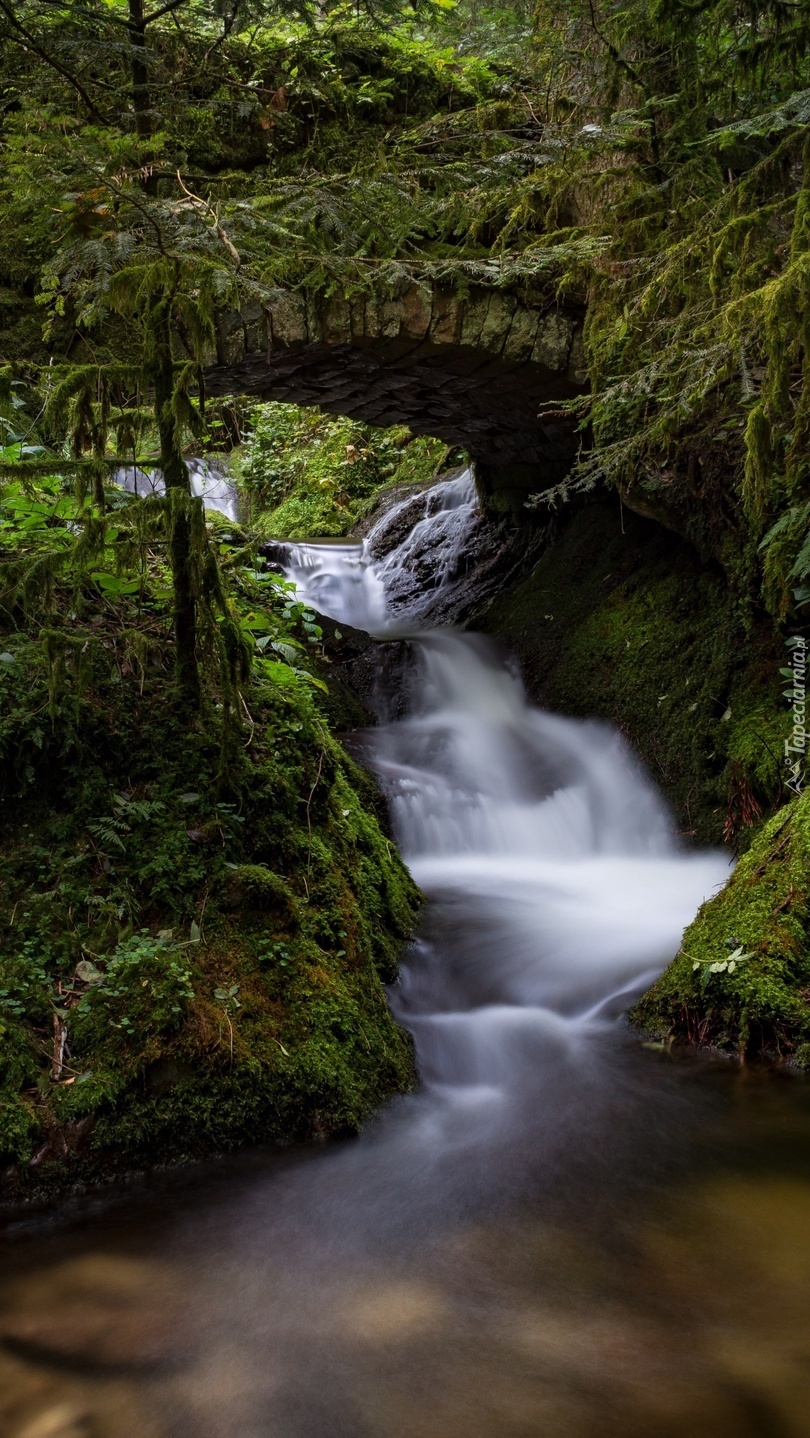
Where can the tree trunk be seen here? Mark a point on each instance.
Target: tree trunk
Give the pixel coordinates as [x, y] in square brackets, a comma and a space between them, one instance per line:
[139, 68]
[179, 503]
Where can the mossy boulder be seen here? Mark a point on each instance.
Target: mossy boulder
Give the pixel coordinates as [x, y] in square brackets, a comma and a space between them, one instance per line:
[741, 981]
[191, 957]
[255, 887]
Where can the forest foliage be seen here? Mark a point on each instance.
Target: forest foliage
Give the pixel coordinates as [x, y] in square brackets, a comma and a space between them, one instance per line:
[161, 162]
[650, 161]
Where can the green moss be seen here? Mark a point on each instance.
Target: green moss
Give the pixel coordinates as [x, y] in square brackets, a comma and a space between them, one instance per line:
[255, 886]
[622, 621]
[215, 951]
[758, 1004]
[306, 475]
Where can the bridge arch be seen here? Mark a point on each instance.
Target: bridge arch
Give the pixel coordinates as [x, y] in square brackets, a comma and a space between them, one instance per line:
[478, 371]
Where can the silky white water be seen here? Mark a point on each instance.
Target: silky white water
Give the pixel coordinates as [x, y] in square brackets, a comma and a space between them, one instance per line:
[370, 1292]
[207, 481]
[540, 836]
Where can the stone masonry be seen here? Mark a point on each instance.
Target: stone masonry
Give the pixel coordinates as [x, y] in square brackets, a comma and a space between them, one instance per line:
[483, 372]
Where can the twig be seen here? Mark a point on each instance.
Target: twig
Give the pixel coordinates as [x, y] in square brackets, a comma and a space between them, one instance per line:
[205, 208]
[66, 1068]
[249, 719]
[309, 819]
[50, 60]
[59, 1046]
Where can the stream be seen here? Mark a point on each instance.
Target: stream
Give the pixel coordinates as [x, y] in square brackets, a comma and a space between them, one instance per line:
[563, 1233]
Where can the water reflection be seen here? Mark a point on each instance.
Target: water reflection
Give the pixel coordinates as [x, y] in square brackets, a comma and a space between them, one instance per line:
[652, 1274]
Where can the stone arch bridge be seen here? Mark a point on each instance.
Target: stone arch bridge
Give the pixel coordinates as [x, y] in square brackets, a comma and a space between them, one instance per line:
[478, 372]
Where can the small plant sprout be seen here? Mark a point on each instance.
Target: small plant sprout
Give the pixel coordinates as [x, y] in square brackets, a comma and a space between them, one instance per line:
[230, 1003]
[727, 965]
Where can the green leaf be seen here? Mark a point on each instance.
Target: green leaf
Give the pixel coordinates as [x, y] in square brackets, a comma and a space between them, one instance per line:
[88, 973]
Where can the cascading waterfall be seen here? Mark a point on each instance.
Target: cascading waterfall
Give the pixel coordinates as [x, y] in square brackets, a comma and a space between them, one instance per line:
[208, 482]
[542, 1239]
[549, 858]
[556, 891]
[382, 588]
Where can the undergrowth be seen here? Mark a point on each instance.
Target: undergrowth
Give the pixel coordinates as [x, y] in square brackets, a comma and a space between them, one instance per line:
[198, 913]
[306, 475]
[741, 981]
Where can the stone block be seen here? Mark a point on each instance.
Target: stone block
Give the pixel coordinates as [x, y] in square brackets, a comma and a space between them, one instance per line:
[553, 343]
[358, 317]
[446, 316]
[372, 322]
[336, 321]
[390, 319]
[473, 318]
[255, 325]
[288, 318]
[314, 320]
[498, 322]
[209, 352]
[416, 311]
[230, 337]
[522, 335]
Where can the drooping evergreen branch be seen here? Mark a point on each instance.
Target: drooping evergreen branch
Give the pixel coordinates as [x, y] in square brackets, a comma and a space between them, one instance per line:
[50, 60]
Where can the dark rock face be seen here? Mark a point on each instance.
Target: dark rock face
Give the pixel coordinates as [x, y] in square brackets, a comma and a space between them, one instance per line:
[497, 550]
[617, 618]
[367, 679]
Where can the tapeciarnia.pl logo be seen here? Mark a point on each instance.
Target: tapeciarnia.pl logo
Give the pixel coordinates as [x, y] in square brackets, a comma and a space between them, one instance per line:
[796, 743]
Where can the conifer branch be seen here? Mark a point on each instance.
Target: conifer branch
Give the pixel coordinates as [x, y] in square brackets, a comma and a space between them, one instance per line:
[50, 60]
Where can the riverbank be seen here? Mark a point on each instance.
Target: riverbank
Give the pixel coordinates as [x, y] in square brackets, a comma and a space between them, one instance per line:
[199, 913]
[621, 620]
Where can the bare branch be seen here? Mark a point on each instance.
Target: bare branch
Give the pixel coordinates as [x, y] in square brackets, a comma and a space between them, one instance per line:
[203, 207]
[163, 10]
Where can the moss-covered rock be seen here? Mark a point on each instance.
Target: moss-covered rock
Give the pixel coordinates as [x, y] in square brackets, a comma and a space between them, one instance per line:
[621, 620]
[191, 957]
[741, 981]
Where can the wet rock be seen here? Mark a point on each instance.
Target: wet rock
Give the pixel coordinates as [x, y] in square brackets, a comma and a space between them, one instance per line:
[342, 643]
[496, 553]
[372, 672]
[65, 1420]
[389, 533]
[94, 1314]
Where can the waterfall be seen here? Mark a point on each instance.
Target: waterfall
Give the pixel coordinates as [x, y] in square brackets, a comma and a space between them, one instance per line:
[556, 890]
[513, 1249]
[208, 481]
[557, 885]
